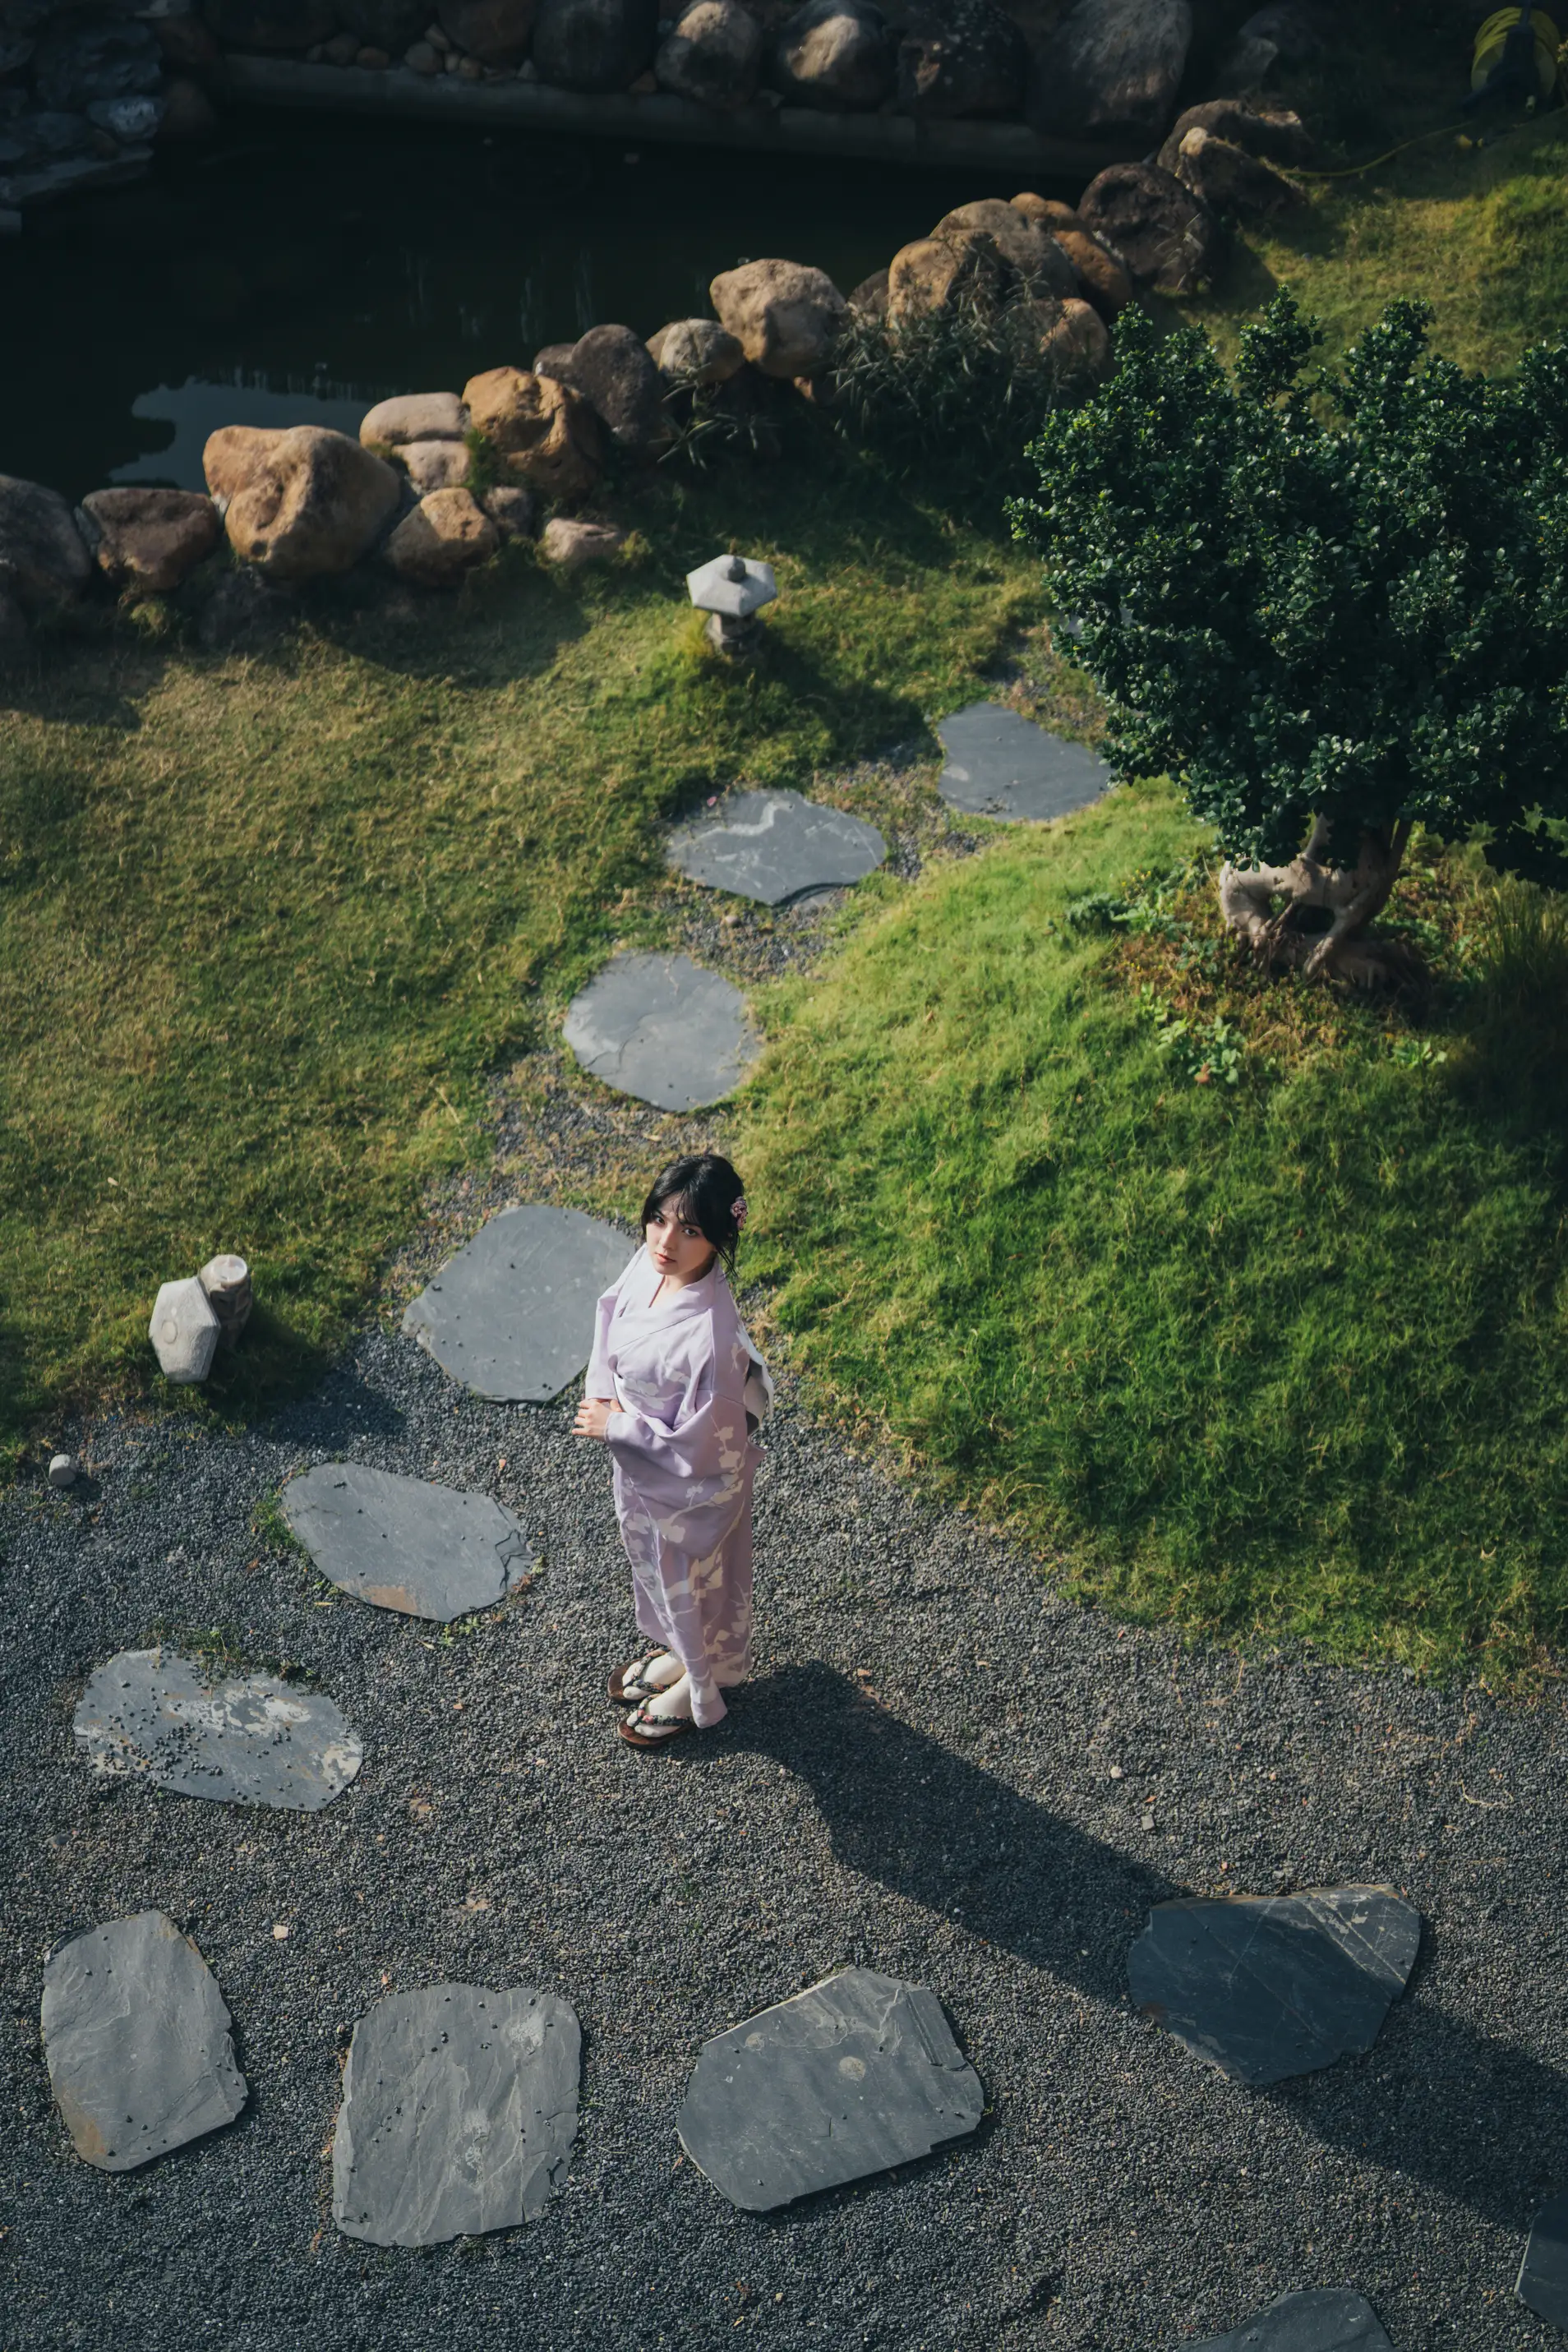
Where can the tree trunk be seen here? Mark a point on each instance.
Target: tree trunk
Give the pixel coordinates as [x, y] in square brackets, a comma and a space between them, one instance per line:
[1351, 896]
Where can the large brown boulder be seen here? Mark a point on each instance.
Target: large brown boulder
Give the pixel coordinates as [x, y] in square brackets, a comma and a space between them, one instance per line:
[497, 32]
[280, 24]
[594, 45]
[1275, 135]
[1165, 234]
[785, 317]
[869, 298]
[966, 58]
[309, 503]
[441, 539]
[1102, 278]
[1112, 68]
[435, 465]
[1225, 177]
[44, 561]
[941, 274]
[232, 455]
[151, 538]
[695, 351]
[834, 55]
[1074, 344]
[547, 433]
[1050, 210]
[573, 544]
[1032, 261]
[611, 368]
[414, 416]
[714, 54]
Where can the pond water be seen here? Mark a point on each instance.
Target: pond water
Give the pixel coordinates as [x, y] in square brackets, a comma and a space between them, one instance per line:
[311, 265]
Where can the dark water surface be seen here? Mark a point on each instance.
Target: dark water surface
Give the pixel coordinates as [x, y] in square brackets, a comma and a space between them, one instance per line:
[311, 264]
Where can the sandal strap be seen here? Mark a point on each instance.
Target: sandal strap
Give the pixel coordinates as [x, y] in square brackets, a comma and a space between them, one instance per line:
[663, 1726]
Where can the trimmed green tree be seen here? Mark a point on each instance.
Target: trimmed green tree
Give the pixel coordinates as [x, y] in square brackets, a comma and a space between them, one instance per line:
[1331, 602]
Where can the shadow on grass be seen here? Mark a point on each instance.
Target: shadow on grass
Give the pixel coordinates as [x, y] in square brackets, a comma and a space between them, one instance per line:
[273, 1363]
[1434, 2099]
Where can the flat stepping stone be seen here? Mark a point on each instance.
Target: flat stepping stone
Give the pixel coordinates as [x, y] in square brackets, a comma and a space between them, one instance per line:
[1324, 2320]
[1000, 766]
[512, 1316]
[252, 1740]
[773, 846]
[662, 1029]
[1269, 1986]
[401, 1543]
[136, 2039]
[459, 2113]
[859, 2073]
[1544, 2274]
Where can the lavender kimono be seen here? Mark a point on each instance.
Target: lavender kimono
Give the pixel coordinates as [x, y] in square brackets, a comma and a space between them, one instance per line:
[678, 1374]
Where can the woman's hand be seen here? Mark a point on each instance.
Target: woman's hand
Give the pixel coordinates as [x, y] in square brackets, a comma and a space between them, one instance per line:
[593, 1414]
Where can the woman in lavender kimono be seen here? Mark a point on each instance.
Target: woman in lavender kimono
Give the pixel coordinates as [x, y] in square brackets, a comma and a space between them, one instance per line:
[676, 1390]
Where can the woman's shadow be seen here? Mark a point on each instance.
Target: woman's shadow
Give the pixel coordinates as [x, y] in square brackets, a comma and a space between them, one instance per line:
[1478, 2119]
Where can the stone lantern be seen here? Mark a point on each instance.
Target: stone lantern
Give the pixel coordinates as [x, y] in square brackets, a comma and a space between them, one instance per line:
[731, 591]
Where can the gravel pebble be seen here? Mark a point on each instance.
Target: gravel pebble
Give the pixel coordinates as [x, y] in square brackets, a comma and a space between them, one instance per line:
[919, 1781]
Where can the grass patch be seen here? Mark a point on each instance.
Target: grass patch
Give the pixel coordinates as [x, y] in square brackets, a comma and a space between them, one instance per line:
[266, 924]
[1277, 1356]
[1480, 230]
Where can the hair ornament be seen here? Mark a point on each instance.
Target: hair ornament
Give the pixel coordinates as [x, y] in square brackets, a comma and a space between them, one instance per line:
[738, 1210]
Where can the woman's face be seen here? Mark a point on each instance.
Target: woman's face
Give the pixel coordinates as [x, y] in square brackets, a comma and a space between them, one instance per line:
[676, 1245]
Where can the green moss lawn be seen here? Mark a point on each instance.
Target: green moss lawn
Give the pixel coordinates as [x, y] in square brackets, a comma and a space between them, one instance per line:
[266, 924]
[1471, 217]
[1251, 1300]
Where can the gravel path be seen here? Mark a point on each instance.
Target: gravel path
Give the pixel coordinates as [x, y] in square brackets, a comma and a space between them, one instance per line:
[920, 1779]
[942, 1771]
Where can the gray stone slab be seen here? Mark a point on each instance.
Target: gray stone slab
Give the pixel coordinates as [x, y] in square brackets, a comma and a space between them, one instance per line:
[773, 846]
[459, 2113]
[251, 1740]
[661, 1028]
[136, 2039]
[857, 2074]
[1323, 2319]
[429, 1551]
[512, 1316]
[1269, 1986]
[1544, 2274]
[1000, 766]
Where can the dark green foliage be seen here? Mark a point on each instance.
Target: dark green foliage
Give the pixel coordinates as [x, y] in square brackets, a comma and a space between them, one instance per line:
[957, 396]
[1340, 592]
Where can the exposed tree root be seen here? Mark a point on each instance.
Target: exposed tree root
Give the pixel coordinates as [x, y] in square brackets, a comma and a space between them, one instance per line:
[1313, 886]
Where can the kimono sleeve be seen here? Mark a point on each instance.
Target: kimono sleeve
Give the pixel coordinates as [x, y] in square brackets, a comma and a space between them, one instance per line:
[599, 1381]
[691, 1471]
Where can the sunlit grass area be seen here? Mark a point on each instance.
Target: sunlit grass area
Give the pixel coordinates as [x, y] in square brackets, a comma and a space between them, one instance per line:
[266, 923]
[1248, 1298]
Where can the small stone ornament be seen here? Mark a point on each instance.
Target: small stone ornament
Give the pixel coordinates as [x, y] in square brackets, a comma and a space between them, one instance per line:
[731, 591]
[183, 1330]
[62, 1469]
[227, 1281]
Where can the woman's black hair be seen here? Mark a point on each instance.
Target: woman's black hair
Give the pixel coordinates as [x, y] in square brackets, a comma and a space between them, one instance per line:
[707, 1189]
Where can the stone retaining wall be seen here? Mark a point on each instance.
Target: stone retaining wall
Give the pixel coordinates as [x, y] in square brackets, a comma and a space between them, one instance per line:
[1036, 87]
